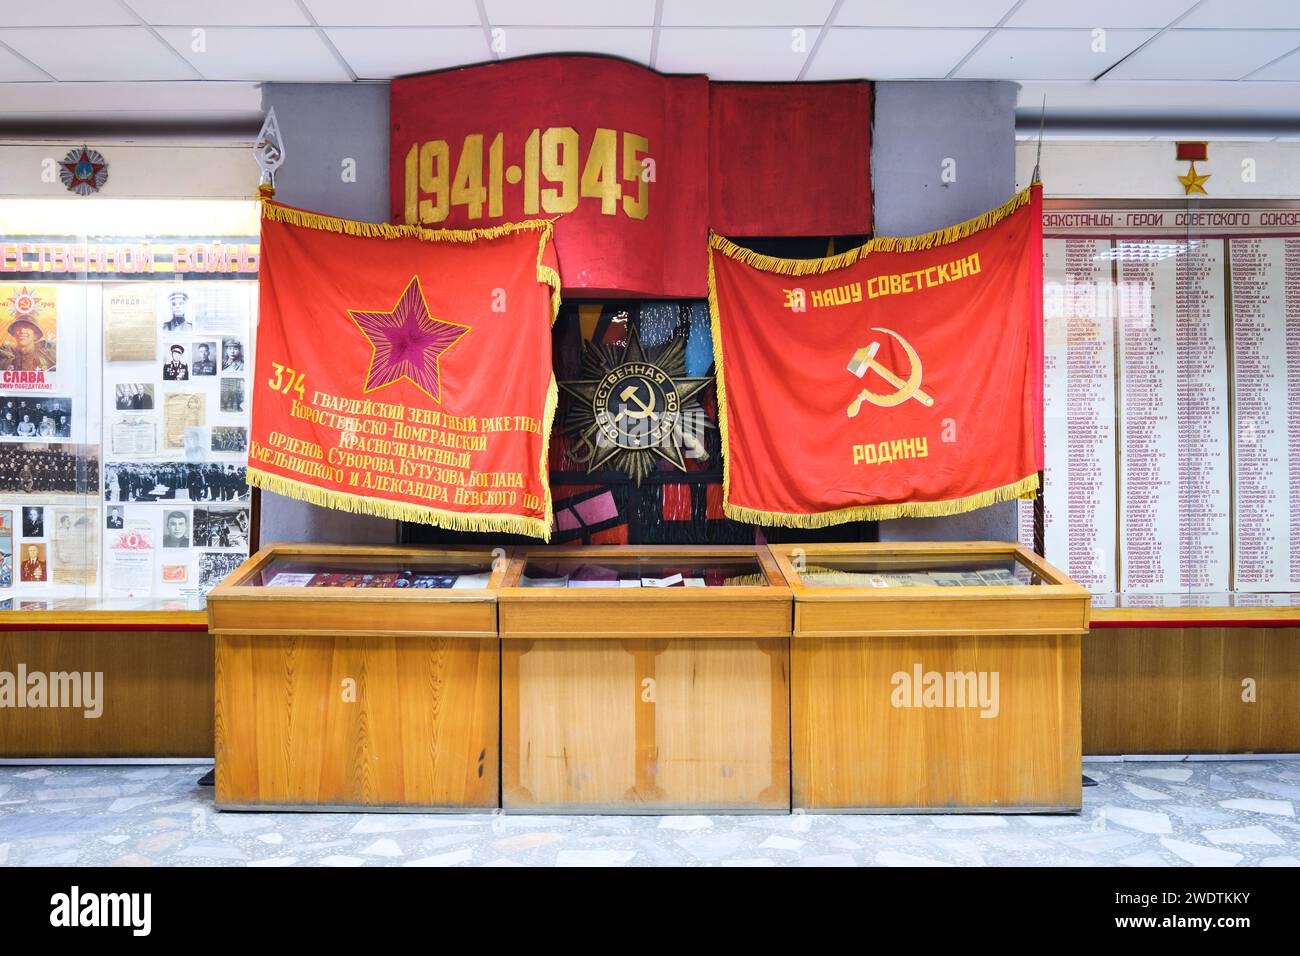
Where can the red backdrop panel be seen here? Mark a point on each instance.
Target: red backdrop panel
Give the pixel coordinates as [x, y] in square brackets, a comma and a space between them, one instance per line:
[790, 159]
[626, 226]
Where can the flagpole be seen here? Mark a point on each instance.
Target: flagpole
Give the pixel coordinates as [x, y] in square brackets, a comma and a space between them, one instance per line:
[1038, 158]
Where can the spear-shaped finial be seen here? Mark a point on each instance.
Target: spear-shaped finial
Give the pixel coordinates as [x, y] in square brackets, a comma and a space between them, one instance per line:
[1038, 158]
[269, 153]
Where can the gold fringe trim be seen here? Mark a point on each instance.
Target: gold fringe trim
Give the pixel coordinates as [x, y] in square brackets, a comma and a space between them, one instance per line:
[402, 511]
[543, 469]
[928, 240]
[549, 276]
[276, 212]
[719, 380]
[1024, 488]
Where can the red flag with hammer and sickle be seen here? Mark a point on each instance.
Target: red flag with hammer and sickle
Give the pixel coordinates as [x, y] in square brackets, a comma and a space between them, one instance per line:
[900, 378]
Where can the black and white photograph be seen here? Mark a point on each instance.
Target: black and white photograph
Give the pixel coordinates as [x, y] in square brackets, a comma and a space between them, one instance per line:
[33, 522]
[229, 438]
[25, 419]
[176, 369]
[174, 481]
[221, 528]
[175, 315]
[176, 529]
[116, 519]
[133, 397]
[232, 394]
[204, 358]
[232, 355]
[215, 565]
[35, 468]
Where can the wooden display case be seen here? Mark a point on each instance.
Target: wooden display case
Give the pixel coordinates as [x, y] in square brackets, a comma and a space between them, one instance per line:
[653, 699]
[334, 691]
[934, 677]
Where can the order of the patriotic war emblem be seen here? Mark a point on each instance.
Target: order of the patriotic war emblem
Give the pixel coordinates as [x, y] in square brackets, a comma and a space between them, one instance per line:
[84, 171]
[633, 407]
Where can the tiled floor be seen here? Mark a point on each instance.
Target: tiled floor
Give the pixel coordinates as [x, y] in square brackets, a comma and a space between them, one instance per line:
[1238, 813]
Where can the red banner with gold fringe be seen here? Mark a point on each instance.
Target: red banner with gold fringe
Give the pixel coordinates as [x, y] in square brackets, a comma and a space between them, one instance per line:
[900, 378]
[635, 164]
[406, 372]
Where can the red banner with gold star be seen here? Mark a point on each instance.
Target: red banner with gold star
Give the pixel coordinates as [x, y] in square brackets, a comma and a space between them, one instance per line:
[406, 372]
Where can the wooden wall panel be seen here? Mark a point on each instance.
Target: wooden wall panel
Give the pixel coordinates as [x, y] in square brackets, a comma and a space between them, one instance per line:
[158, 697]
[1180, 690]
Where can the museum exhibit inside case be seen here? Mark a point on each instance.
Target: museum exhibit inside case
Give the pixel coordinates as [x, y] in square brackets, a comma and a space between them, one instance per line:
[933, 677]
[127, 333]
[358, 678]
[645, 679]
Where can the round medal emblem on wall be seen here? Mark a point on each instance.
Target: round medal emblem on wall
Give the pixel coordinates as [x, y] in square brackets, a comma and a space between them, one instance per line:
[84, 171]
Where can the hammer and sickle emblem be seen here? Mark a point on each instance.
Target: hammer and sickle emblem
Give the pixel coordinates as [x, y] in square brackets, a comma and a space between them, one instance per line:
[632, 394]
[910, 387]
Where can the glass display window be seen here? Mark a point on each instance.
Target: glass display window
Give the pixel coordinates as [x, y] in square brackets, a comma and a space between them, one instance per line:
[904, 568]
[127, 331]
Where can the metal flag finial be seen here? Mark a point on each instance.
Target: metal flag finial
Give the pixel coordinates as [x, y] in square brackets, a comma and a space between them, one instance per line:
[269, 153]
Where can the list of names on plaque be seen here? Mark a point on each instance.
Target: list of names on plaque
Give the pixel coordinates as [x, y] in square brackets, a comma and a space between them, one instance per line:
[1174, 467]
[1079, 410]
[1265, 280]
[1025, 523]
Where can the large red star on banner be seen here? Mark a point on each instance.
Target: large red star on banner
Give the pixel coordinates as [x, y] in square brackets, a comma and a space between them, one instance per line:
[407, 342]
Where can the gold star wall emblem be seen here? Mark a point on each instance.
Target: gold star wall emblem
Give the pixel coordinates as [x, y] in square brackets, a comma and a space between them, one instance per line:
[1193, 182]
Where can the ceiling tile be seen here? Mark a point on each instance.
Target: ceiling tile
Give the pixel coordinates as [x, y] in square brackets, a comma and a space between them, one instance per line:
[62, 13]
[756, 53]
[891, 54]
[1111, 14]
[98, 53]
[571, 13]
[922, 13]
[394, 13]
[221, 13]
[1286, 69]
[1205, 55]
[1246, 14]
[251, 53]
[383, 53]
[633, 44]
[14, 69]
[744, 13]
[1050, 54]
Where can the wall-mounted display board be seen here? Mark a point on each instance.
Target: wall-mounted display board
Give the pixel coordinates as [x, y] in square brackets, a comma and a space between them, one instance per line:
[126, 341]
[1172, 393]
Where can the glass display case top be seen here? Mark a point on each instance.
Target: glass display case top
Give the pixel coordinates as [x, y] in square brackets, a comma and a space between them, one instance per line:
[919, 570]
[186, 604]
[631, 571]
[1200, 599]
[370, 571]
